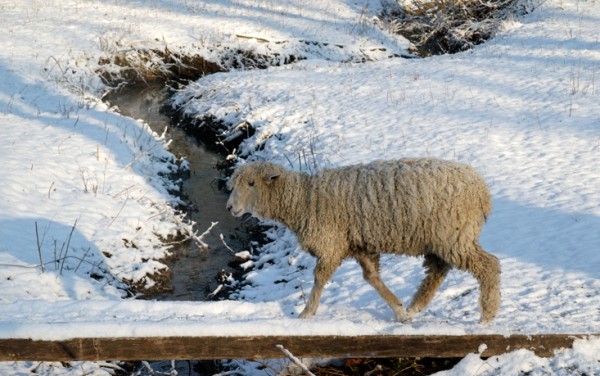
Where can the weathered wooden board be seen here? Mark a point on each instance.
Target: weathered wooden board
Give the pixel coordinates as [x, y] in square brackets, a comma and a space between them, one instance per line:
[165, 348]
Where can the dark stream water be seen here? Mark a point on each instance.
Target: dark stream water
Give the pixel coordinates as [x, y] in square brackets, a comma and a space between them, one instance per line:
[194, 270]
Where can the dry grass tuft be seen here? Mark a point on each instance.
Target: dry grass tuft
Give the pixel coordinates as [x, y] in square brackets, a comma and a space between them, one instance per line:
[126, 64]
[448, 26]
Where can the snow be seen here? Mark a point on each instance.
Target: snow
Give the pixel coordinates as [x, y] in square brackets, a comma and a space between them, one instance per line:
[581, 359]
[521, 108]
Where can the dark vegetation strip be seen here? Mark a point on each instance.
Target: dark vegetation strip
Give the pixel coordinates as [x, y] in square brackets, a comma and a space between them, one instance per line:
[436, 27]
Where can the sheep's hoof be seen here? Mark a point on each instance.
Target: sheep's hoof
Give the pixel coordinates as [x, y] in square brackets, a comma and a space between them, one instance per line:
[404, 317]
[305, 314]
[487, 318]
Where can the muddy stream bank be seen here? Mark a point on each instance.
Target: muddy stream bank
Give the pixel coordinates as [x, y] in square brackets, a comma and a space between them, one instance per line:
[193, 270]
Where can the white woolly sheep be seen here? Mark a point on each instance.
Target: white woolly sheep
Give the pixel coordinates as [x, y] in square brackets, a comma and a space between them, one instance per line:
[416, 207]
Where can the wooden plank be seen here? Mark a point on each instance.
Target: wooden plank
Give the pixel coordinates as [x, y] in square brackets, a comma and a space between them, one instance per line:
[179, 348]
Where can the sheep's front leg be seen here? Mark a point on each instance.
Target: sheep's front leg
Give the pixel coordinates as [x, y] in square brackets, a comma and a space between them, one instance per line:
[322, 273]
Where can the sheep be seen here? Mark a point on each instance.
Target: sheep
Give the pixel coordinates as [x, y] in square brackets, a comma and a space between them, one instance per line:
[417, 207]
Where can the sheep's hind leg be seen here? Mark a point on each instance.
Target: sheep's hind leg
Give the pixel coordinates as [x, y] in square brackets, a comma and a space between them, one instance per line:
[370, 267]
[485, 268]
[322, 273]
[436, 270]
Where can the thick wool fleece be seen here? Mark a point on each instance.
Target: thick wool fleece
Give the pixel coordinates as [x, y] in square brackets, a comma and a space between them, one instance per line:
[414, 207]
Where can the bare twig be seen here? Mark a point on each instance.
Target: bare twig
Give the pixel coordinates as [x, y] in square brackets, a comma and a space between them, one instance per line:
[203, 244]
[83, 258]
[215, 292]
[39, 247]
[50, 189]
[303, 294]
[117, 216]
[84, 179]
[225, 244]
[295, 360]
[148, 367]
[62, 265]
[289, 161]
[124, 190]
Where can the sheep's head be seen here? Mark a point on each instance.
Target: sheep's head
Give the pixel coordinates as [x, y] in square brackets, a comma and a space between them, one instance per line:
[250, 185]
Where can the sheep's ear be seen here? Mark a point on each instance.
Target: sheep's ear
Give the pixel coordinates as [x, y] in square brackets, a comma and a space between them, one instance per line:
[271, 178]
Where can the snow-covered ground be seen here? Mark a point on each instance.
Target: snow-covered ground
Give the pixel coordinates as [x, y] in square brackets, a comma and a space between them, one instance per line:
[522, 108]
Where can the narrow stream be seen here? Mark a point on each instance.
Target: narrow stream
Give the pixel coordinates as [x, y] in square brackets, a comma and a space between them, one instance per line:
[194, 271]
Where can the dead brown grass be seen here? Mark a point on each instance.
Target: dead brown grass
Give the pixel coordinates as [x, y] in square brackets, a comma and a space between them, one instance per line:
[449, 26]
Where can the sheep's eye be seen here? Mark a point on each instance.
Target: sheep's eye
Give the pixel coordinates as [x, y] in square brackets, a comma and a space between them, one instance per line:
[251, 183]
